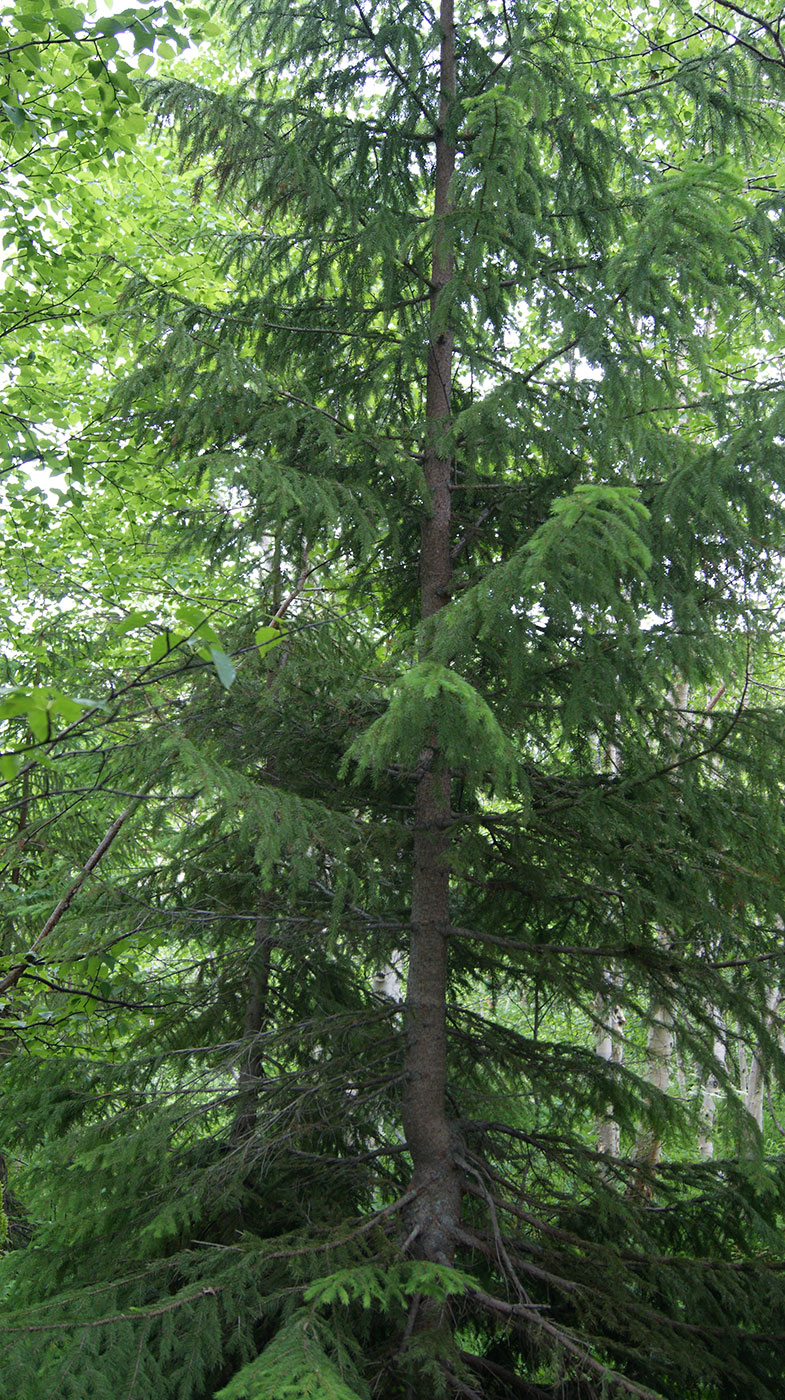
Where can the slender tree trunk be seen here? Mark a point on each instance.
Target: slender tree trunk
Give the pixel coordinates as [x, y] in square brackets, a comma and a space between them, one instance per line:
[252, 1064]
[709, 1104]
[659, 1042]
[608, 1041]
[753, 1098]
[436, 1210]
[609, 1045]
[388, 980]
[659, 1051]
[256, 1008]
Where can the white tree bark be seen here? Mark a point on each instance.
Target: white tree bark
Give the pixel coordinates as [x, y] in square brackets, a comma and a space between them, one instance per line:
[711, 1093]
[659, 1053]
[388, 980]
[609, 1045]
[756, 1075]
[609, 1026]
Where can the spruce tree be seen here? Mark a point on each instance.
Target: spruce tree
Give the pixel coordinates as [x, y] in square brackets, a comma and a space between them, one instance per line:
[469, 452]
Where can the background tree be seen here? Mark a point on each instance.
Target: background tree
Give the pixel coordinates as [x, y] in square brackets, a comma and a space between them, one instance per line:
[69, 115]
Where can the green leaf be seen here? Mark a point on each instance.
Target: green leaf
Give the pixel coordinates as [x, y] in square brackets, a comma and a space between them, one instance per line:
[16, 115]
[40, 723]
[69, 19]
[15, 703]
[32, 24]
[113, 24]
[10, 764]
[132, 621]
[164, 644]
[223, 665]
[268, 637]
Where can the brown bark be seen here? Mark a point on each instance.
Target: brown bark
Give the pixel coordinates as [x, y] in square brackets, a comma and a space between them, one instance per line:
[435, 1213]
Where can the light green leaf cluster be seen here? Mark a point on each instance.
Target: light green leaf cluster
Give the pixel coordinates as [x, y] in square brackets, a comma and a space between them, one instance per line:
[389, 1285]
[41, 707]
[294, 1366]
[295, 1363]
[427, 701]
[590, 548]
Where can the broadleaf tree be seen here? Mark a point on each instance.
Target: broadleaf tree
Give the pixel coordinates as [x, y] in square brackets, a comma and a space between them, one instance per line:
[472, 440]
[69, 114]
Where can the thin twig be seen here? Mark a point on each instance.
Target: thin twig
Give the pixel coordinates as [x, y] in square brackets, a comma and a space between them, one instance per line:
[12, 977]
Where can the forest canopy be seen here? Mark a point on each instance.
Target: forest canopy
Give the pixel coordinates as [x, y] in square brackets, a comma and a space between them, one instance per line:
[391, 726]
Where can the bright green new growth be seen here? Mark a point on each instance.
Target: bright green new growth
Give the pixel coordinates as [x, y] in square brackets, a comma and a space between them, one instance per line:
[297, 1362]
[429, 696]
[293, 1365]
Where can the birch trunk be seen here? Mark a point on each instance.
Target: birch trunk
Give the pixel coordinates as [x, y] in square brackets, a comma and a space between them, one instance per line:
[709, 1104]
[388, 981]
[609, 1046]
[659, 1053]
[756, 1077]
[608, 1042]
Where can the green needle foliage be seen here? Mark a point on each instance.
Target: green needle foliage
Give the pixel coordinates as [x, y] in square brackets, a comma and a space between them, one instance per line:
[433, 525]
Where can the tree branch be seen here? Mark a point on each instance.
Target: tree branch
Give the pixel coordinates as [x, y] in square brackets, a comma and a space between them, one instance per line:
[12, 977]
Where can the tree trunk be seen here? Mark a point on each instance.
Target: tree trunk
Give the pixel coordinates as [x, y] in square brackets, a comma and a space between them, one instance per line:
[753, 1097]
[659, 1042]
[609, 1028]
[435, 1213]
[659, 1051]
[609, 1045]
[252, 1064]
[710, 1096]
[388, 980]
